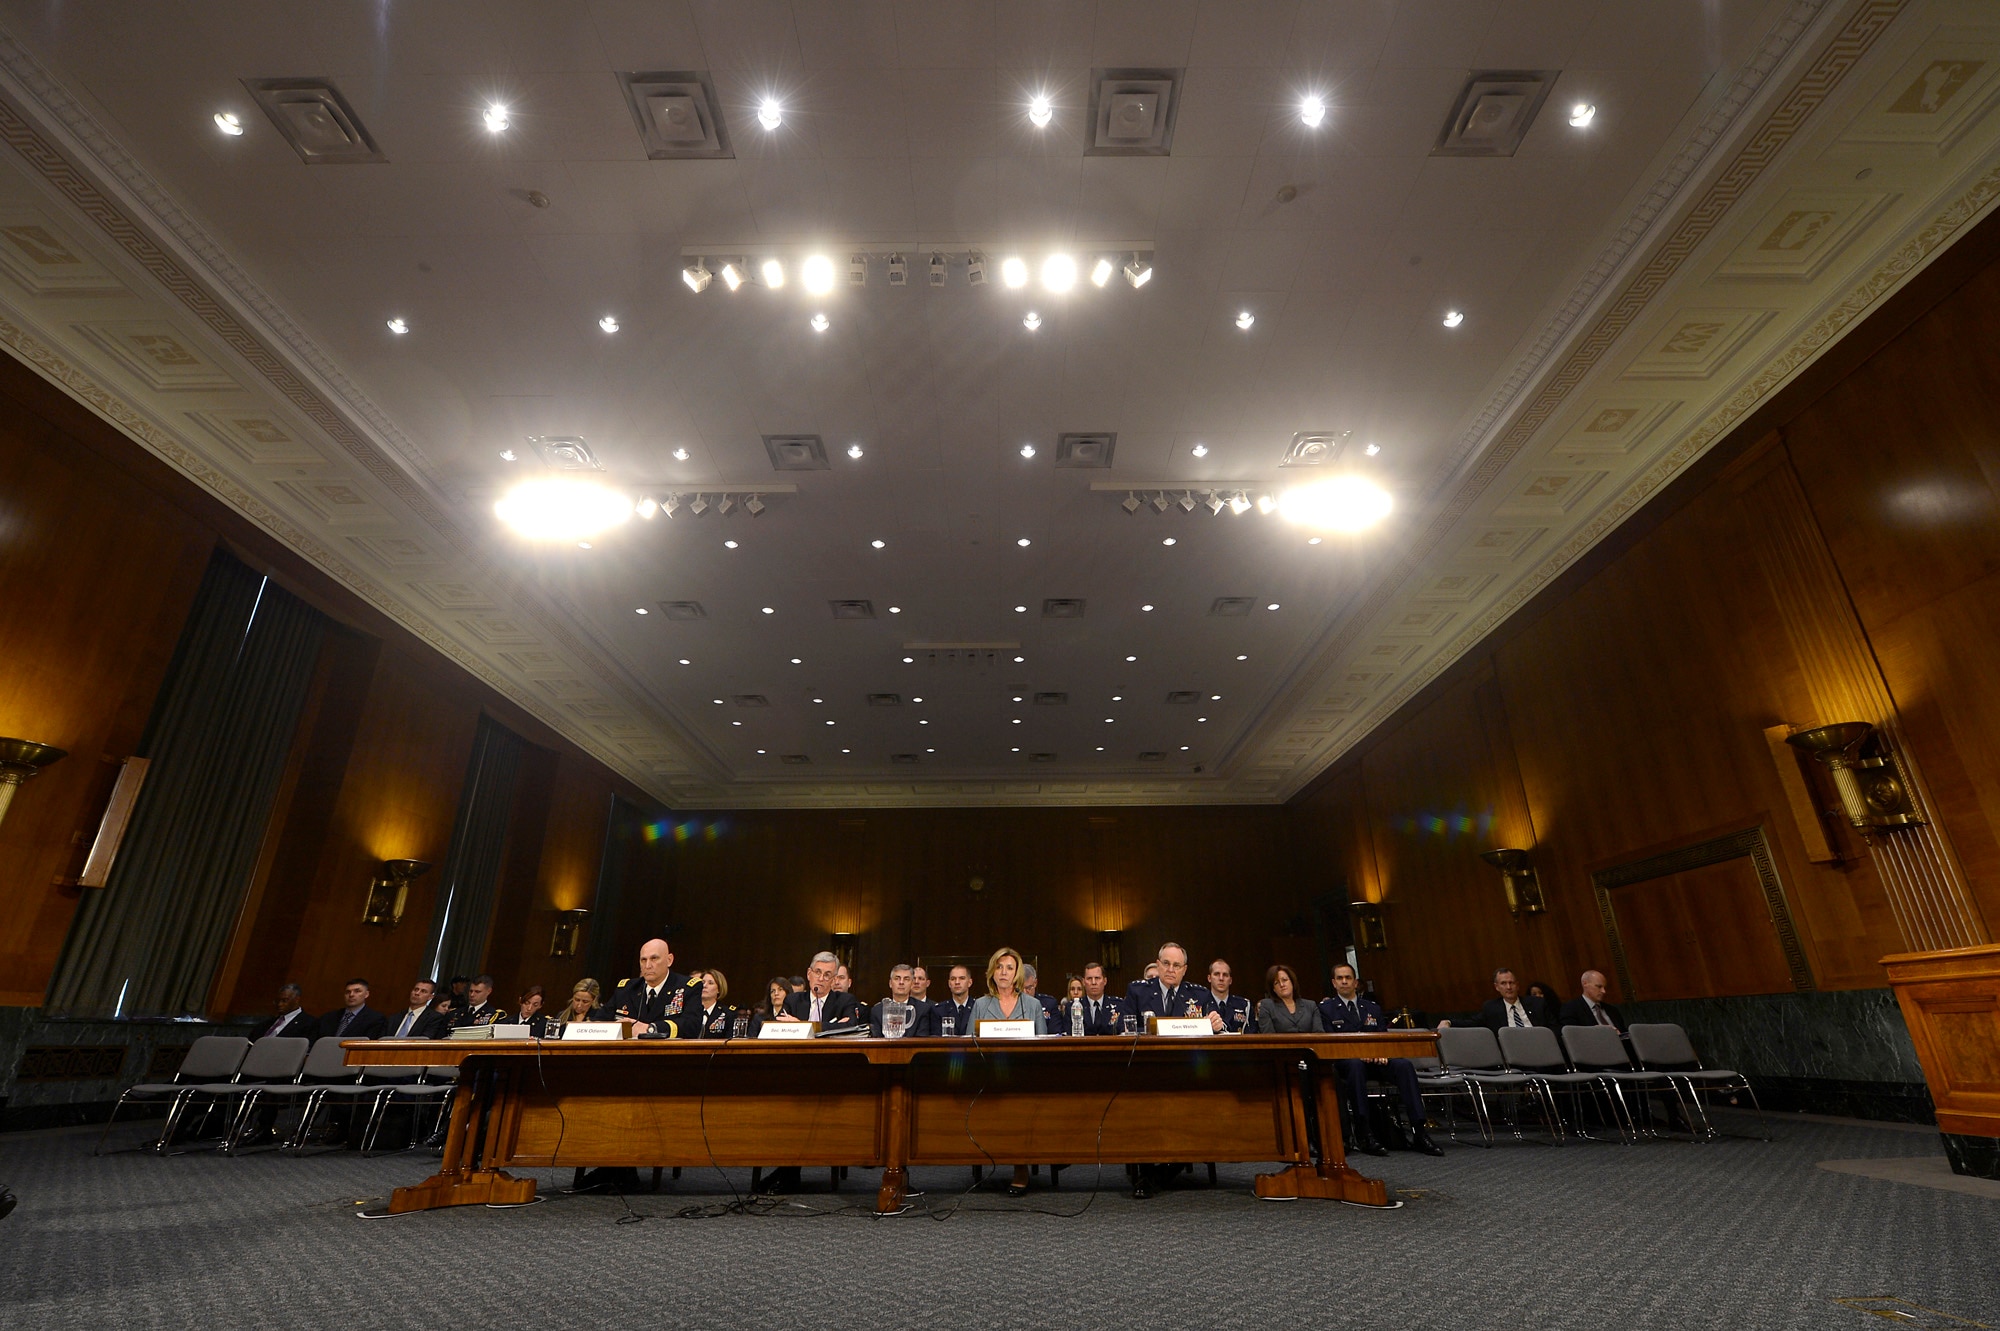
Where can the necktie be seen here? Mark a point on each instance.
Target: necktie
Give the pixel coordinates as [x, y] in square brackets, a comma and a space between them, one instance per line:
[1352, 1011]
[1167, 1000]
[346, 1019]
[1092, 1011]
[1598, 1012]
[652, 996]
[409, 1020]
[1514, 1017]
[278, 1025]
[817, 1004]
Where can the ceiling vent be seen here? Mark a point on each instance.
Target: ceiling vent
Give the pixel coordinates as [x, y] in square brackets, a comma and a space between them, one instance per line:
[1085, 450]
[1152, 756]
[1051, 699]
[683, 610]
[1041, 757]
[795, 452]
[1312, 450]
[676, 114]
[565, 452]
[1230, 607]
[903, 758]
[316, 120]
[751, 700]
[1183, 696]
[794, 759]
[1493, 112]
[1132, 112]
[853, 609]
[1062, 608]
[885, 700]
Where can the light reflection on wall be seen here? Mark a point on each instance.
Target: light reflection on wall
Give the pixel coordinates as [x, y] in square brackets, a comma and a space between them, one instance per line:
[1445, 826]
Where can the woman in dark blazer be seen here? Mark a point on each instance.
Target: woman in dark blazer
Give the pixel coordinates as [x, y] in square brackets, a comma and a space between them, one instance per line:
[713, 1020]
[1283, 1011]
[776, 990]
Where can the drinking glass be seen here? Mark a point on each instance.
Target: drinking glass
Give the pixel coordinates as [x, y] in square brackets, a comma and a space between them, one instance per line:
[1130, 1023]
[950, 1024]
[740, 1028]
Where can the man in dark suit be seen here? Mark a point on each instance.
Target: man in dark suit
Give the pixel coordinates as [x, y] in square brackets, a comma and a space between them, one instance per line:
[1238, 1017]
[821, 1002]
[902, 989]
[356, 1020]
[956, 1004]
[479, 1008]
[1172, 994]
[1512, 1007]
[290, 1017]
[1351, 1012]
[658, 998]
[1102, 1014]
[1590, 1009]
[421, 1020]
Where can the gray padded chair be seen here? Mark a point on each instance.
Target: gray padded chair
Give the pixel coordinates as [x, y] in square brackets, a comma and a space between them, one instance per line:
[208, 1058]
[1534, 1052]
[273, 1059]
[324, 1066]
[1599, 1049]
[1663, 1047]
[1473, 1053]
[435, 1088]
[1436, 1082]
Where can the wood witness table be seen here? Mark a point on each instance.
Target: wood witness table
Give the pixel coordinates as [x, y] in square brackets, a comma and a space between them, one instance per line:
[888, 1104]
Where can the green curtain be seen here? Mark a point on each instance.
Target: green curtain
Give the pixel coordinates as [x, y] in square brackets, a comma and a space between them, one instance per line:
[148, 943]
[471, 875]
[622, 831]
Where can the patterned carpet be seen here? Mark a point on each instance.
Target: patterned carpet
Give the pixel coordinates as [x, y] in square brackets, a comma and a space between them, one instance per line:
[1742, 1234]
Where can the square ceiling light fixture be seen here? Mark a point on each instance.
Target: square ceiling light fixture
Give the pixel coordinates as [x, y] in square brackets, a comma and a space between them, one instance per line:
[1132, 112]
[796, 452]
[316, 120]
[676, 113]
[1314, 449]
[852, 609]
[1493, 112]
[1091, 451]
[565, 452]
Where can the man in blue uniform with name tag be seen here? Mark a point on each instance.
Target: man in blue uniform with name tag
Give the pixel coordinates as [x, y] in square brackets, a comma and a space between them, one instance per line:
[1102, 1014]
[956, 1005]
[1172, 994]
[1349, 1011]
[1238, 1017]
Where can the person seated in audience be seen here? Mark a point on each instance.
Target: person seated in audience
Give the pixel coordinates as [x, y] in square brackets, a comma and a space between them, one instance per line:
[1351, 1012]
[355, 1020]
[843, 980]
[1552, 1001]
[1031, 986]
[920, 984]
[798, 983]
[421, 1020]
[1005, 1000]
[528, 1012]
[821, 1002]
[479, 1008]
[453, 999]
[657, 1001]
[956, 1006]
[1238, 1018]
[902, 990]
[1152, 971]
[582, 1006]
[1512, 1007]
[1589, 1007]
[1283, 1010]
[776, 990]
[290, 1016]
[1171, 994]
[713, 1016]
[1102, 1014]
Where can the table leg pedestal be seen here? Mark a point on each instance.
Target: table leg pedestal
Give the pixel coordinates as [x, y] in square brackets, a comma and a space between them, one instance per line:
[457, 1182]
[1330, 1177]
[895, 1146]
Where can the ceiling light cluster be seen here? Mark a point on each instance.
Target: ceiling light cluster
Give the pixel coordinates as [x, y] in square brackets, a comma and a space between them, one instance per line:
[1058, 272]
[563, 508]
[1338, 503]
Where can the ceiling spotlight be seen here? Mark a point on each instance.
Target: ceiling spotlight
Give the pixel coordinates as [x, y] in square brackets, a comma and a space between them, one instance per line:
[1020, 609]
[916, 700]
[1027, 450]
[975, 271]
[1581, 115]
[673, 502]
[680, 455]
[1138, 271]
[1014, 271]
[1100, 748]
[398, 327]
[648, 509]
[1013, 750]
[562, 508]
[1453, 318]
[1159, 502]
[509, 455]
[854, 451]
[1266, 504]
[1101, 271]
[642, 610]
[1019, 659]
[899, 271]
[797, 661]
[227, 122]
[816, 274]
[1131, 504]
[1199, 450]
[1312, 111]
[699, 507]
[895, 609]
[1058, 273]
[820, 323]
[697, 277]
[857, 270]
[496, 119]
[609, 323]
[909, 660]
[1146, 608]
[1272, 606]
[773, 273]
[937, 270]
[754, 505]
[769, 611]
[732, 275]
[847, 750]
[1169, 541]
[1031, 321]
[1372, 449]
[1128, 661]
[1214, 697]
[1023, 542]
[1245, 319]
[877, 544]
[729, 545]
[1213, 503]
[685, 661]
[1313, 540]
[1040, 110]
[735, 723]
[1243, 658]
[770, 115]
[1239, 503]
[1341, 503]
[727, 504]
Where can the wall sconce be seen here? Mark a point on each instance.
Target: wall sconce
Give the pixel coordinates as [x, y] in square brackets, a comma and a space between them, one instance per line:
[1517, 877]
[20, 761]
[569, 926]
[1371, 932]
[390, 890]
[1111, 949]
[843, 949]
[1870, 786]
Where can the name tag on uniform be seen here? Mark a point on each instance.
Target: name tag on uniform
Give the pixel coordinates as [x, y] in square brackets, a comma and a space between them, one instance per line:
[1007, 1030]
[787, 1030]
[594, 1030]
[1177, 1026]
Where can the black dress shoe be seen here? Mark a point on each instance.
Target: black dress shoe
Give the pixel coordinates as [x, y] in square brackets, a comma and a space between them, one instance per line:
[1017, 1189]
[1421, 1141]
[1141, 1190]
[1369, 1146]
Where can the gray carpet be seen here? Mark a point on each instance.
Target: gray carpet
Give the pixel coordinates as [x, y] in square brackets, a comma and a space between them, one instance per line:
[1737, 1234]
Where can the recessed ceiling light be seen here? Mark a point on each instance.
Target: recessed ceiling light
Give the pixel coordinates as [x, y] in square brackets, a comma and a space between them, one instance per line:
[1138, 272]
[1017, 720]
[1168, 541]
[609, 323]
[1184, 748]
[1131, 658]
[1100, 748]
[1019, 659]
[1101, 271]
[816, 274]
[908, 659]
[1058, 273]
[818, 700]
[1272, 606]
[1372, 449]
[1014, 271]
[1017, 697]
[1581, 115]
[729, 545]
[922, 722]
[916, 700]
[732, 276]
[930, 750]
[1201, 718]
[847, 750]
[1312, 540]
[769, 611]
[562, 508]
[1146, 607]
[1199, 450]
[773, 272]
[735, 723]
[1020, 609]
[878, 544]
[1031, 321]
[1245, 319]
[895, 609]
[1243, 658]
[509, 455]
[1215, 697]
[829, 723]
[1453, 318]
[697, 276]
[1118, 697]
[820, 323]
[642, 610]
[1013, 750]
[496, 118]
[770, 115]
[854, 451]
[1022, 542]
[398, 327]
[227, 122]
[1312, 112]
[797, 661]
[718, 702]
[685, 661]
[1040, 110]
[1027, 450]
[1110, 720]
[1340, 503]
[680, 455]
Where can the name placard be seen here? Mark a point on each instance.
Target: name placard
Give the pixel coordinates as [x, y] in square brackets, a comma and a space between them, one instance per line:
[787, 1030]
[1177, 1026]
[1006, 1030]
[594, 1030]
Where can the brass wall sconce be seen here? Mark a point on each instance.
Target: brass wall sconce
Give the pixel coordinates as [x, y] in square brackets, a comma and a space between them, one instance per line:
[390, 890]
[1111, 949]
[1370, 930]
[842, 948]
[569, 927]
[1865, 776]
[22, 760]
[1518, 879]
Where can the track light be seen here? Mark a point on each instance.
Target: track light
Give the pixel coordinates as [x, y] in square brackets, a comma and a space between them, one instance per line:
[647, 508]
[1186, 501]
[937, 270]
[1131, 504]
[1239, 503]
[673, 503]
[699, 506]
[975, 271]
[496, 118]
[1266, 504]
[899, 271]
[1453, 318]
[816, 275]
[1027, 450]
[1031, 321]
[1101, 271]
[1058, 273]
[1014, 272]
[1312, 112]
[697, 277]
[722, 509]
[753, 506]
[732, 276]
[857, 270]
[1160, 502]
[773, 273]
[1581, 115]
[1214, 503]
[1040, 110]
[1342, 503]
[770, 115]
[1138, 271]
[820, 322]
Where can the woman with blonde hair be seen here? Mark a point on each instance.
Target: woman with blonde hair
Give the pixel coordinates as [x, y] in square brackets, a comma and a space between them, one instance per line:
[1004, 1001]
[582, 1005]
